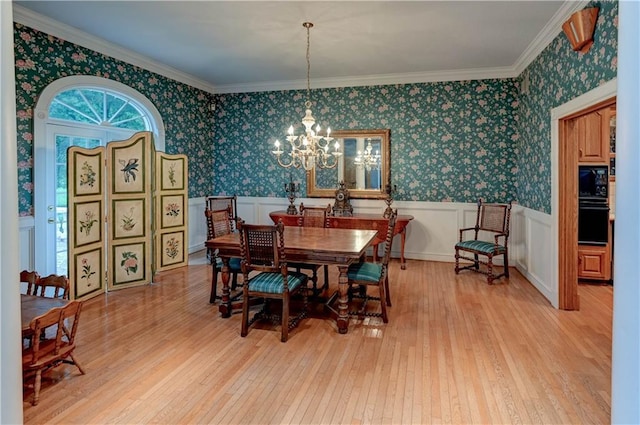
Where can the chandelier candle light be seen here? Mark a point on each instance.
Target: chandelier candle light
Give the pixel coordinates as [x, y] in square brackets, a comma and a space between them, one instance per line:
[366, 158]
[310, 149]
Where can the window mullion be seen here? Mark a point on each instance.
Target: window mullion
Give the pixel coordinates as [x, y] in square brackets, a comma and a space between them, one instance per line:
[92, 119]
[124, 105]
[127, 120]
[89, 105]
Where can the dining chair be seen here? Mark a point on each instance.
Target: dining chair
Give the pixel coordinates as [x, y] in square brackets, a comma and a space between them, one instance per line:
[492, 219]
[45, 353]
[364, 274]
[30, 278]
[215, 203]
[314, 217]
[219, 223]
[52, 286]
[262, 249]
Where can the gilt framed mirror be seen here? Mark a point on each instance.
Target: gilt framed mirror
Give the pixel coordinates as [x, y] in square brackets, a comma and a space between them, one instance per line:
[364, 166]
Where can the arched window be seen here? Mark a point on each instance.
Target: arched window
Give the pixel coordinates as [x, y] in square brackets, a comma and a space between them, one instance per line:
[99, 107]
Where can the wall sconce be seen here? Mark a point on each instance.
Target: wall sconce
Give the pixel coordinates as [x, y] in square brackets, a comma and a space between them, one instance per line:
[579, 29]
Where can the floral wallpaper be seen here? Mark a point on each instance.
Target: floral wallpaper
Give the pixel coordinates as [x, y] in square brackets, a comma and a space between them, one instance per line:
[450, 141]
[556, 76]
[41, 59]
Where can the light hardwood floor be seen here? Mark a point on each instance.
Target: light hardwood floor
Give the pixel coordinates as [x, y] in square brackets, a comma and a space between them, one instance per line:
[455, 351]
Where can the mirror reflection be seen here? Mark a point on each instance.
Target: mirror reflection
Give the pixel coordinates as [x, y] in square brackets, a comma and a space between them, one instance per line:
[364, 166]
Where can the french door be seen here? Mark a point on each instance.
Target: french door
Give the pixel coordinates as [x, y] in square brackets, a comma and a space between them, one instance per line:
[50, 200]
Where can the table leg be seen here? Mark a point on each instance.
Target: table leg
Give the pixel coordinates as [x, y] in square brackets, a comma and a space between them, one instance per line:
[403, 235]
[343, 315]
[225, 303]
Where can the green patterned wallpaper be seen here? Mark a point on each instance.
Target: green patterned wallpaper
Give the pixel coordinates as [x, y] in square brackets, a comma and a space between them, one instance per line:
[556, 76]
[41, 59]
[450, 141]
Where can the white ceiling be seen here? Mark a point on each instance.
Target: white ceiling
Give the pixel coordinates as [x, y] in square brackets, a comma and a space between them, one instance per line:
[235, 46]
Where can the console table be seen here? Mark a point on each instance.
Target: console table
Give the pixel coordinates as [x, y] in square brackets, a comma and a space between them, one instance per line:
[359, 221]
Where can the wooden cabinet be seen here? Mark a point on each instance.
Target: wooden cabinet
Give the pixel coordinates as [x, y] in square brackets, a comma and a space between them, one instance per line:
[594, 262]
[592, 132]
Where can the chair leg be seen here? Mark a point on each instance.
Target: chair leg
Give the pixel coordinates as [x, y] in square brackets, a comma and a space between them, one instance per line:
[285, 318]
[36, 387]
[490, 275]
[506, 263]
[214, 285]
[314, 280]
[245, 312]
[386, 289]
[457, 261]
[383, 304]
[234, 281]
[326, 278]
[78, 365]
[476, 262]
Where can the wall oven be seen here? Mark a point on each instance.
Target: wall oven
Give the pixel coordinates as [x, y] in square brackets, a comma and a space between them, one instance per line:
[593, 204]
[593, 223]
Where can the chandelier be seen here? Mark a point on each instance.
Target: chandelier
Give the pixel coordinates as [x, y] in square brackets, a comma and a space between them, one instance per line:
[310, 149]
[366, 159]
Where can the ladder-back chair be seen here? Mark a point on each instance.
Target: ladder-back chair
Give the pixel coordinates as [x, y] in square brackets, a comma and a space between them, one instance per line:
[45, 353]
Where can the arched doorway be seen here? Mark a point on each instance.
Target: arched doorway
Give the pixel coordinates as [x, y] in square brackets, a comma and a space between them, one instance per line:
[77, 111]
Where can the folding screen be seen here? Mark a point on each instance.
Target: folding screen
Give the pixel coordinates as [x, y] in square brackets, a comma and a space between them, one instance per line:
[114, 205]
[86, 196]
[129, 214]
[171, 218]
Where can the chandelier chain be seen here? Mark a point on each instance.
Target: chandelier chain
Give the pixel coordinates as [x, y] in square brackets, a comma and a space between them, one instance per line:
[308, 26]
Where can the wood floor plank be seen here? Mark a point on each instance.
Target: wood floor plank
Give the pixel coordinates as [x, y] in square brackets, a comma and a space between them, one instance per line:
[455, 350]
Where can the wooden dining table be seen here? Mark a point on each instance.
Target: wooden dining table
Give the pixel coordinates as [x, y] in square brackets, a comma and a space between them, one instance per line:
[330, 246]
[33, 306]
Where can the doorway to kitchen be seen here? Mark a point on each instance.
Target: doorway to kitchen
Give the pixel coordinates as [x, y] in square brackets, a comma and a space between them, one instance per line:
[578, 124]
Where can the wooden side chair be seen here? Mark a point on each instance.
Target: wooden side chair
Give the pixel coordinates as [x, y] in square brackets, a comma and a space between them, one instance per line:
[314, 217]
[492, 219]
[364, 274]
[219, 223]
[229, 203]
[46, 353]
[30, 278]
[52, 286]
[262, 249]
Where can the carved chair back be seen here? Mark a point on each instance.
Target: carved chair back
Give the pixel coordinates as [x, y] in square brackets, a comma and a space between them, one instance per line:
[58, 283]
[314, 216]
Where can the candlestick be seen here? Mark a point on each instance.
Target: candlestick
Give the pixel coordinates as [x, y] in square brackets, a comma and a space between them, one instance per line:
[291, 188]
[390, 191]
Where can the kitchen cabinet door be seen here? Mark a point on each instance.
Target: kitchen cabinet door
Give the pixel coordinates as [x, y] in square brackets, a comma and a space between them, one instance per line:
[592, 132]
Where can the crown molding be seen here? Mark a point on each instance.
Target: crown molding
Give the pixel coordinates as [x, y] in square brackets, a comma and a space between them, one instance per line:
[73, 35]
[373, 80]
[548, 33]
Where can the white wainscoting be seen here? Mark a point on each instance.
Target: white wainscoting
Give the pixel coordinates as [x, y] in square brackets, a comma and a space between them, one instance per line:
[431, 235]
[27, 242]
